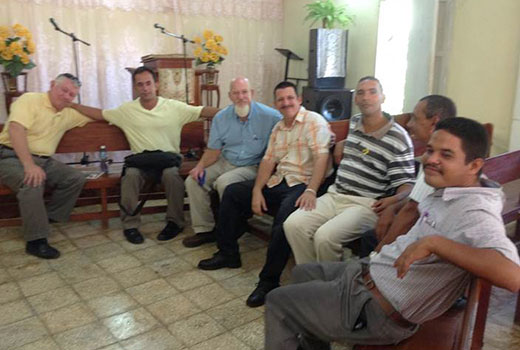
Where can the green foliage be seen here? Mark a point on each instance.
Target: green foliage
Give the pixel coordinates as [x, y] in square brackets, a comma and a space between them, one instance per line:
[330, 14]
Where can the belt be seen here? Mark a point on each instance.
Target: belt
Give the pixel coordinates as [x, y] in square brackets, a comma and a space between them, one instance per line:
[387, 308]
[34, 155]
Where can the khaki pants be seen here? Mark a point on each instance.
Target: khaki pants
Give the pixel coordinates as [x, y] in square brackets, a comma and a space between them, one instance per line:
[65, 181]
[218, 176]
[320, 234]
[133, 182]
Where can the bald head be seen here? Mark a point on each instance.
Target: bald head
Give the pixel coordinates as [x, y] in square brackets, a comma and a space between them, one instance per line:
[238, 81]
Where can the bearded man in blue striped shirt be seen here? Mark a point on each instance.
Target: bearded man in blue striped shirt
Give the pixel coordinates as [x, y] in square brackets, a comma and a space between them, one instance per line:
[376, 170]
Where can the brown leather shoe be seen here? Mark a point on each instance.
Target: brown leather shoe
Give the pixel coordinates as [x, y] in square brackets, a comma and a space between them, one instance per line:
[199, 239]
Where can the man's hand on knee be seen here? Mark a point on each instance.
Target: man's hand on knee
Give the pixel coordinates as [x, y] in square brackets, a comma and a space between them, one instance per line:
[34, 176]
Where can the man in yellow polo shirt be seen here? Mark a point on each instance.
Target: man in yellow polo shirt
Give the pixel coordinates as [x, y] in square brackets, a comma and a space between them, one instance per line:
[31, 134]
[150, 123]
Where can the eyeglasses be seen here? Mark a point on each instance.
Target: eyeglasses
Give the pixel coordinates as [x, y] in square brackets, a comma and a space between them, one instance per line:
[70, 77]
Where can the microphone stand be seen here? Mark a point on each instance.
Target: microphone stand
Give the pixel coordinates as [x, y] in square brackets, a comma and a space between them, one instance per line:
[184, 41]
[74, 49]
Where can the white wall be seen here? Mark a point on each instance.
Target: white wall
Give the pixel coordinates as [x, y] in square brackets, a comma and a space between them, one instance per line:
[484, 64]
[362, 38]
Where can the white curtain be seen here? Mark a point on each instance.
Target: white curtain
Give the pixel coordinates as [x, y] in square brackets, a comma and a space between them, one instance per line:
[121, 32]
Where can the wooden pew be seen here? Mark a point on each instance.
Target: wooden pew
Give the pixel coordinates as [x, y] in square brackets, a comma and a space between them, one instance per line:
[105, 189]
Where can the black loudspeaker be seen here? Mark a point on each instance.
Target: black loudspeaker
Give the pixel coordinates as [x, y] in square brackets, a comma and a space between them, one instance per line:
[333, 104]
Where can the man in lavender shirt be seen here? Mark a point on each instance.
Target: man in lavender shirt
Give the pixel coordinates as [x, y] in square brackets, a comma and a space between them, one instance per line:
[384, 298]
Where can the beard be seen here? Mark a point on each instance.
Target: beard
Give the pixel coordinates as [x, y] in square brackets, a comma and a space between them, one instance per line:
[242, 111]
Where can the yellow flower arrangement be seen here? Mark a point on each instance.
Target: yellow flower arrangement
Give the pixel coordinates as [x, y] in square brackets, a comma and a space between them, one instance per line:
[209, 49]
[16, 45]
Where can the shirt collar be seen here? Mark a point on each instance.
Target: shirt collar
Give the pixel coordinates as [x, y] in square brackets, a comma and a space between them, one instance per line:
[450, 193]
[300, 117]
[379, 133]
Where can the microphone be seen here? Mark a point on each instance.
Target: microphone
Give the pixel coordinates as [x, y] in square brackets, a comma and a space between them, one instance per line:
[54, 23]
[156, 25]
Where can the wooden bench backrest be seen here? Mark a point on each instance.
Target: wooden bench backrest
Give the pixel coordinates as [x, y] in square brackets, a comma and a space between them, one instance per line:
[91, 136]
[503, 168]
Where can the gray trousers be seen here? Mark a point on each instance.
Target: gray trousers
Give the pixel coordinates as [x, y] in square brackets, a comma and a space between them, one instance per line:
[218, 176]
[65, 181]
[132, 184]
[327, 302]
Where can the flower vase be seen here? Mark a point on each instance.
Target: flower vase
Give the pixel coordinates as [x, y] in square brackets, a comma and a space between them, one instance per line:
[11, 83]
[211, 74]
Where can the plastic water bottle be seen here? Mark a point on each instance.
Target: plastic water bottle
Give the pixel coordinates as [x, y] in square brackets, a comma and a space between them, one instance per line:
[103, 159]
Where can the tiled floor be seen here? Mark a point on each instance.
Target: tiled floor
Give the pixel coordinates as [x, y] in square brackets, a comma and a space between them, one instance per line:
[104, 293]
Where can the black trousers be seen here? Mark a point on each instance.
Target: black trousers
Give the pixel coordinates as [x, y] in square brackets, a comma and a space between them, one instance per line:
[235, 209]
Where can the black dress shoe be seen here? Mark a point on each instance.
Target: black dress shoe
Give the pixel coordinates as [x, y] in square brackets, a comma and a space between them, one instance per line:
[199, 239]
[133, 236]
[42, 249]
[257, 298]
[219, 261]
[169, 231]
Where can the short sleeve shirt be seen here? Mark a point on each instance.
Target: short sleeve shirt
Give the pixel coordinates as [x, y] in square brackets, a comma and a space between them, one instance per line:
[156, 129]
[44, 125]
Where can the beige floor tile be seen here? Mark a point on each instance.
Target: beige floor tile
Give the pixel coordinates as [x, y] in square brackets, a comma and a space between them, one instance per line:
[222, 274]
[21, 333]
[116, 234]
[208, 296]
[88, 337]
[193, 257]
[42, 344]
[119, 263]
[91, 241]
[240, 285]
[104, 251]
[80, 272]
[17, 258]
[96, 287]
[69, 259]
[8, 233]
[65, 246]
[68, 317]
[151, 292]
[78, 231]
[135, 276]
[34, 268]
[130, 247]
[130, 323]
[9, 292]
[251, 333]
[41, 283]
[154, 253]
[188, 280]
[171, 266]
[4, 276]
[113, 347]
[222, 342]
[56, 236]
[196, 329]
[53, 299]
[173, 309]
[178, 248]
[234, 313]
[112, 304]
[158, 339]
[14, 311]
[11, 245]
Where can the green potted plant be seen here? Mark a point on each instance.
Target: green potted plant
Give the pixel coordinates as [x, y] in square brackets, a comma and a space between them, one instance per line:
[328, 45]
[329, 14]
